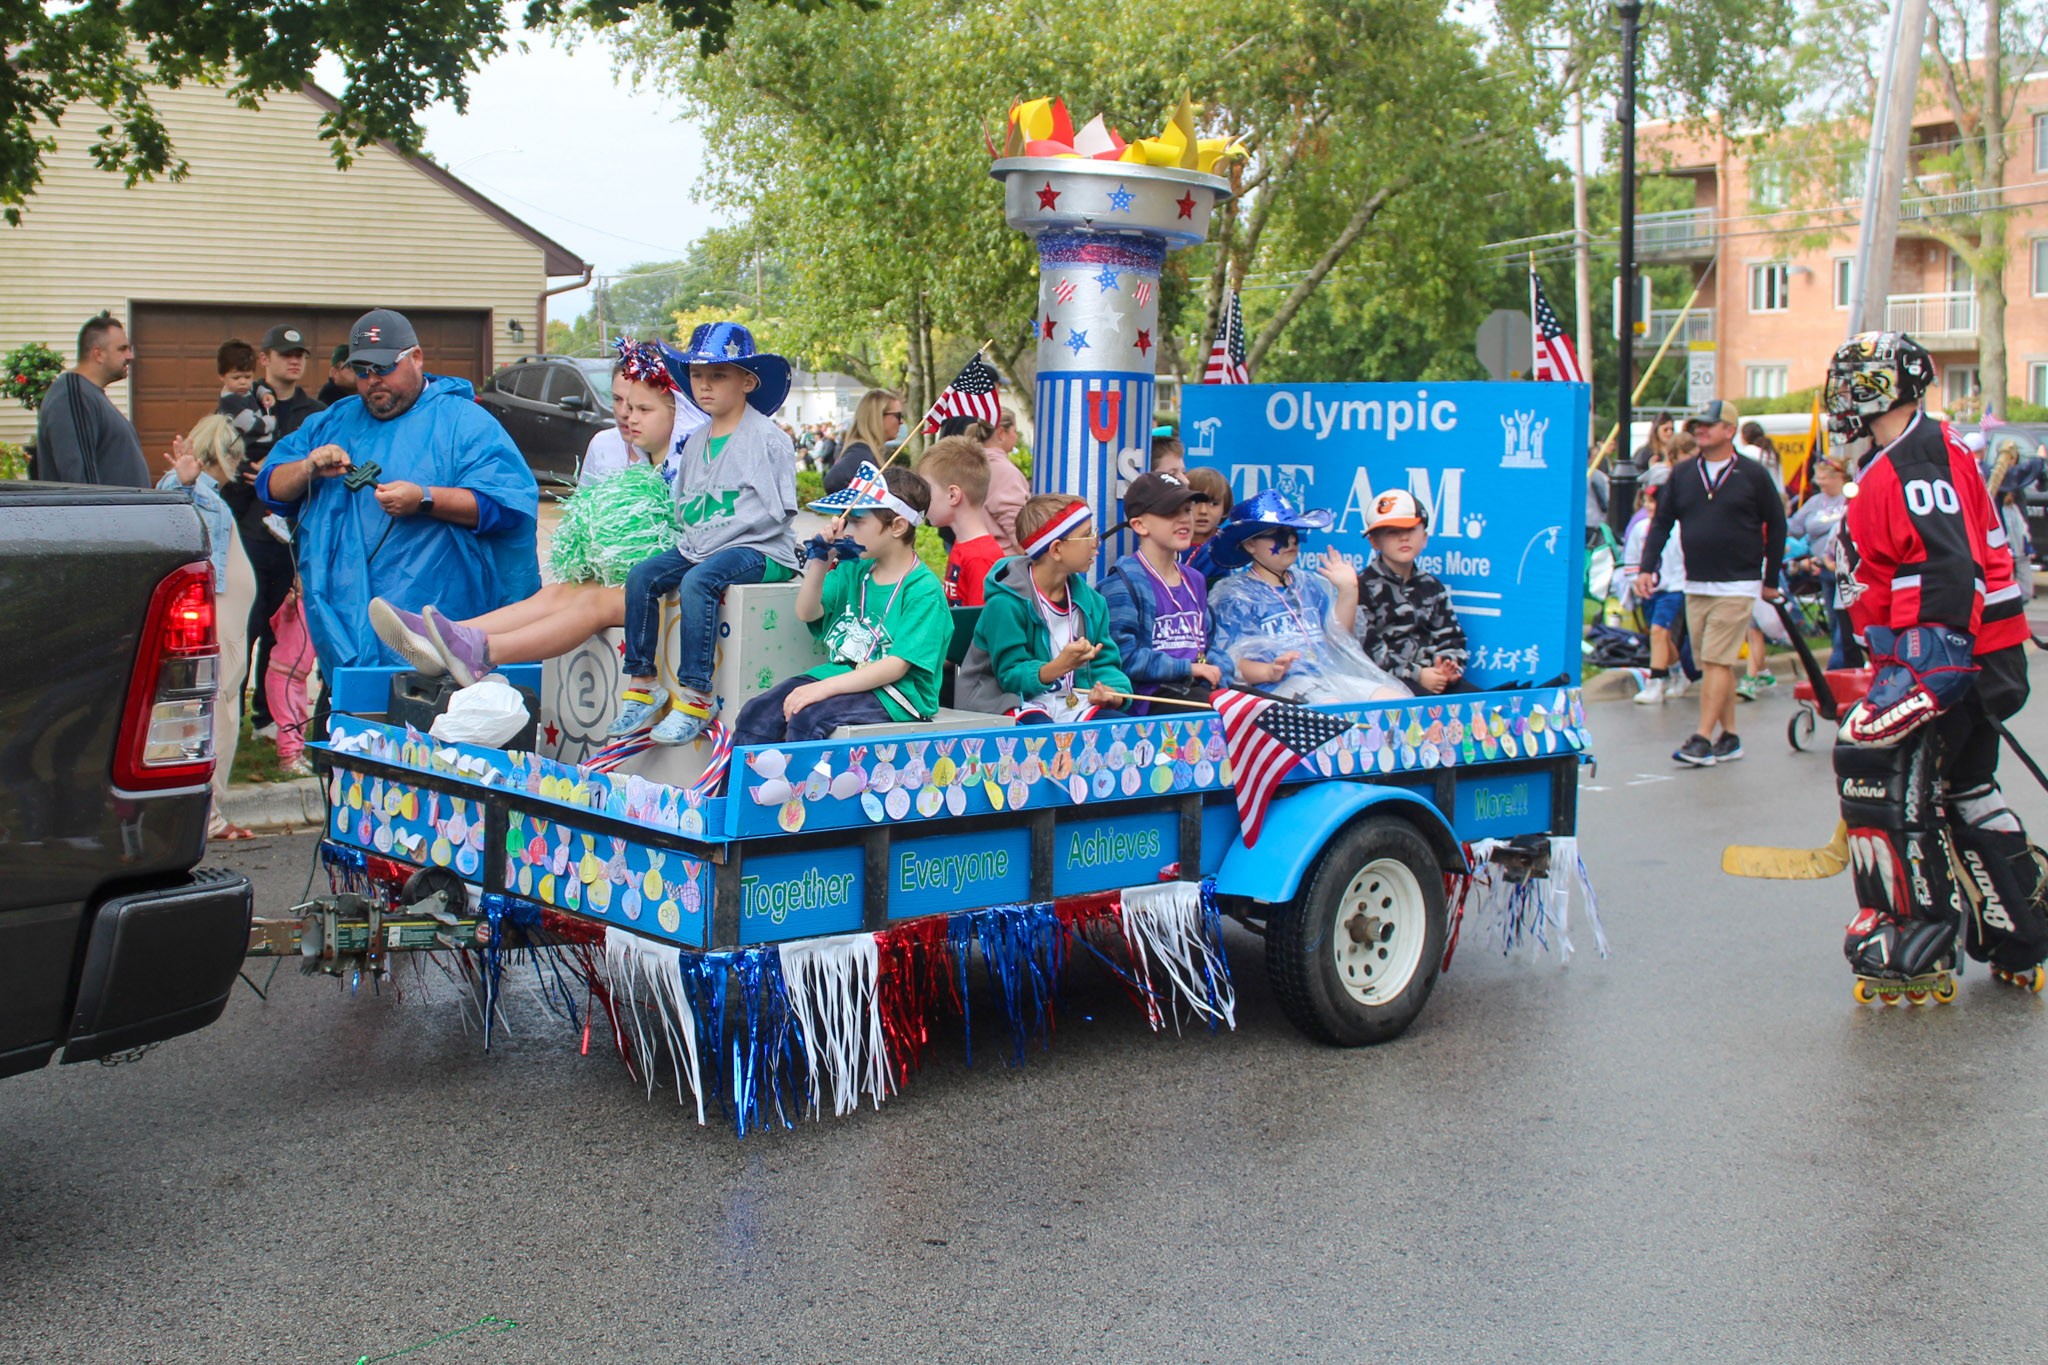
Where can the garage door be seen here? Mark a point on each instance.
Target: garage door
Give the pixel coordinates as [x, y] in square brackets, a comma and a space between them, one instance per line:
[173, 383]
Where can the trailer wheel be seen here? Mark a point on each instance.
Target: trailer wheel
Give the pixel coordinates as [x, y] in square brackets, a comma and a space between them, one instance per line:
[1799, 729]
[1354, 957]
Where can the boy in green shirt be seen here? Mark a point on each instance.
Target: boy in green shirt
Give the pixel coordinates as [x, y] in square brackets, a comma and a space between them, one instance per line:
[883, 619]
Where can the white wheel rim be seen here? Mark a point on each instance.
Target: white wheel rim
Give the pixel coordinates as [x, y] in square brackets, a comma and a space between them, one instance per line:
[1379, 932]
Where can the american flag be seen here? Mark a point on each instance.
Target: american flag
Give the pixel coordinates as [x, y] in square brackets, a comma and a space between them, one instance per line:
[1226, 355]
[1265, 739]
[972, 393]
[1555, 358]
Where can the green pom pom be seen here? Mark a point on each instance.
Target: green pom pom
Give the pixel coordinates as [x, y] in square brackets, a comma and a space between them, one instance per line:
[613, 524]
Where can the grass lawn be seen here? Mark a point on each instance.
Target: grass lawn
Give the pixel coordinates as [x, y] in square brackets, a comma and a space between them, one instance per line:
[256, 759]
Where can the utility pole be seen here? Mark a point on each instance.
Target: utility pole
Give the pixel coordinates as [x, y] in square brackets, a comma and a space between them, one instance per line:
[1884, 175]
[1582, 235]
[1621, 486]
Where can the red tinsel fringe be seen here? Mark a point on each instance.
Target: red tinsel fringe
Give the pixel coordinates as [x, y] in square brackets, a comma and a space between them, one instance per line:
[915, 973]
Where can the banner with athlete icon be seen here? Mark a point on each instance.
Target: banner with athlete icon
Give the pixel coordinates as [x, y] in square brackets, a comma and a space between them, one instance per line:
[1501, 469]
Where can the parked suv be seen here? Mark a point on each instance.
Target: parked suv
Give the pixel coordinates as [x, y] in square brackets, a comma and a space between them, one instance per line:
[2033, 496]
[552, 406]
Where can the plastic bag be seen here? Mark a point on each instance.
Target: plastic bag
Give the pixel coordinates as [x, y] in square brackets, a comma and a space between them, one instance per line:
[489, 713]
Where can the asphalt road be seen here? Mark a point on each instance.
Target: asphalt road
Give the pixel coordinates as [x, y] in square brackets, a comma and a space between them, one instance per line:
[1699, 1149]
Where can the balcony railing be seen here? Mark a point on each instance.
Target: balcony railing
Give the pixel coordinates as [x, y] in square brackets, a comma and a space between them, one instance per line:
[1678, 233]
[1699, 326]
[1934, 320]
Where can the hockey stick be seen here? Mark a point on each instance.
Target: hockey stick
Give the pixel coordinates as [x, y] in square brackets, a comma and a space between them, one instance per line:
[1789, 864]
[2024, 757]
[1823, 695]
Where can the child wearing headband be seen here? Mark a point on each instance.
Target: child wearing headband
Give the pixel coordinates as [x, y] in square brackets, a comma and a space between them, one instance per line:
[1042, 647]
[882, 617]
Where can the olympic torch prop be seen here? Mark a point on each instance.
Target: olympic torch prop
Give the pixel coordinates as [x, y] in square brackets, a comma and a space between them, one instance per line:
[1104, 213]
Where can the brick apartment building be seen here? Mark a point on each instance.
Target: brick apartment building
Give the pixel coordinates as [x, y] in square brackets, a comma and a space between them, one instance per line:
[1773, 317]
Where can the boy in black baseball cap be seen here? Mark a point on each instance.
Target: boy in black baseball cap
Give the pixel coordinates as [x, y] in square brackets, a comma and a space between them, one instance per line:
[1159, 615]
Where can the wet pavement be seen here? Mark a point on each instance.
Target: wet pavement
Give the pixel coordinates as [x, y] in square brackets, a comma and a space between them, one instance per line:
[1698, 1149]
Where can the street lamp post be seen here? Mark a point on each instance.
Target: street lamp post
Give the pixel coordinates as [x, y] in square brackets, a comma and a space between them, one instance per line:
[1621, 484]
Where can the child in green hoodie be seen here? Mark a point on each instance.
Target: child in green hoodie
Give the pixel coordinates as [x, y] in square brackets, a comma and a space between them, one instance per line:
[1042, 647]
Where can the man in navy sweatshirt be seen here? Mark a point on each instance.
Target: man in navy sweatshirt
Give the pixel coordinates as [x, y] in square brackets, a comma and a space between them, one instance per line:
[1734, 520]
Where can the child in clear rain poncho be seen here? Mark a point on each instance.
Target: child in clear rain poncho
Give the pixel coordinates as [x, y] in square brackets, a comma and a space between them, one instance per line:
[1269, 612]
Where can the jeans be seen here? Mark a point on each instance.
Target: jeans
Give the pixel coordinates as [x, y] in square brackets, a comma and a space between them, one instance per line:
[698, 588]
[761, 720]
[1845, 652]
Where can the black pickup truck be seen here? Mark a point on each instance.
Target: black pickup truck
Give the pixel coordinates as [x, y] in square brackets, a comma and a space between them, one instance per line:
[109, 937]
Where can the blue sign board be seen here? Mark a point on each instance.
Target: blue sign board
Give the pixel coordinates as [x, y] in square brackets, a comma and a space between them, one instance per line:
[1500, 467]
[801, 895]
[959, 872]
[1502, 805]
[1124, 850]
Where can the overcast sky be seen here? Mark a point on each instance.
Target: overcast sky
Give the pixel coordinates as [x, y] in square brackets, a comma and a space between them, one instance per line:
[552, 136]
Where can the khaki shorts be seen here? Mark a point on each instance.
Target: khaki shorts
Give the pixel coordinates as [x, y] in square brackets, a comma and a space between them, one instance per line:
[1717, 626]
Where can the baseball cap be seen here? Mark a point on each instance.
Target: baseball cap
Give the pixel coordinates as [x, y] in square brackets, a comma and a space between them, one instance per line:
[1158, 495]
[340, 356]
[281, 340]
[1395, 510]
[1715, 410]
[380, 336]
[1658, 476]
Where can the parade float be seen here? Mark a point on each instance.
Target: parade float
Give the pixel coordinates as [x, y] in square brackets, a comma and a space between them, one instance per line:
[784, 931]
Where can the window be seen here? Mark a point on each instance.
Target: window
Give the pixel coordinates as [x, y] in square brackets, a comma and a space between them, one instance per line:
[564, 381]
[2041, 142]
[1843, 266]
[1766, 381]
[2037, 383]
[1767, 181]
[527, 381]
[2040, 266]
[1769, 287]
[1959, 382]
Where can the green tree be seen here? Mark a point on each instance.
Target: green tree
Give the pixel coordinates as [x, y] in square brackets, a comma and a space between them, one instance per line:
[106, 54]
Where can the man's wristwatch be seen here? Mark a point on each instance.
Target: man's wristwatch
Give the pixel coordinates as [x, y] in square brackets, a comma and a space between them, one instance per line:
[426, 508]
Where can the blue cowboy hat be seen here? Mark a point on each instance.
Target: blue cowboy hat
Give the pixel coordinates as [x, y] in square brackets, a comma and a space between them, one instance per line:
[1261, 514]
[729, 343]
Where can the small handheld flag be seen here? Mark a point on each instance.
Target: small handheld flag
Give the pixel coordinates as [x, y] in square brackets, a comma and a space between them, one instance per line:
[1265, 739]
[1555, 356]
[1226, 354]
[971, 394]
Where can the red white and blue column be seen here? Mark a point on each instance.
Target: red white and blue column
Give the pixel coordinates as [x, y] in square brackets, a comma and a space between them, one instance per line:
[1103, 231]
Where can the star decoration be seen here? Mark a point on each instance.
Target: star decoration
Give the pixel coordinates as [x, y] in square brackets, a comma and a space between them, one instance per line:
[1048, 328]
[1120, 199]
[1115, 314]
[1077, 340]
[1143, 343]
[1048, 198]
[1186, 204]
[1107, 277]
[552, 734]
[732, 350]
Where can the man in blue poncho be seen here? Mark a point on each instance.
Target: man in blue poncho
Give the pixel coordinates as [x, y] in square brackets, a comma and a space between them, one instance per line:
[450, 520]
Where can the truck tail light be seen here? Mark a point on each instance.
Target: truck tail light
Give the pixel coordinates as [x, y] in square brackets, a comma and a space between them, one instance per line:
[166, 737]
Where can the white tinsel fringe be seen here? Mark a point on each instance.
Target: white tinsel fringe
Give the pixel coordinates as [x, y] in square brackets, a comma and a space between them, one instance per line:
[832, 984]
[1537, 910]
[631, 961]
[1165, 924]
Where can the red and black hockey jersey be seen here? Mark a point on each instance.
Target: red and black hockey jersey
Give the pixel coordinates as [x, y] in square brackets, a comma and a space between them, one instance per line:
[1926, 546]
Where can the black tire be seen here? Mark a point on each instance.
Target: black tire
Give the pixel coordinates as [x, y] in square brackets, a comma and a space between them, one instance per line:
[1799, 729]
[428, 880]
[1302, 964]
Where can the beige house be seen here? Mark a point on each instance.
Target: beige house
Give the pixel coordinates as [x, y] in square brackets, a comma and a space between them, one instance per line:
[264, 230]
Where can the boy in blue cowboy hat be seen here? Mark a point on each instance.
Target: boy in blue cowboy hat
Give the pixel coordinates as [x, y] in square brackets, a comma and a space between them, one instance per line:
[735, 501]
[1267, 611]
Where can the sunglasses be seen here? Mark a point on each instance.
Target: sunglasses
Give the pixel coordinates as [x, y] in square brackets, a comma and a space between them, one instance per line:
[365, 370]
[897, 413]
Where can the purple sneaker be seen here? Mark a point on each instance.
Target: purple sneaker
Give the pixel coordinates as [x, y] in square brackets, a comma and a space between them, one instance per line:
[464, 649]
[406, 632]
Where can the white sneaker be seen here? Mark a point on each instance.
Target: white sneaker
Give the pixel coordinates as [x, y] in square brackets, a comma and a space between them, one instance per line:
[1652, 693]
[1676, 686]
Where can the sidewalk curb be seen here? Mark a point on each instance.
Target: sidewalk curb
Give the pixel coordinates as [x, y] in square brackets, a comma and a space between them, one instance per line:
[1619, 684]
[292, 805]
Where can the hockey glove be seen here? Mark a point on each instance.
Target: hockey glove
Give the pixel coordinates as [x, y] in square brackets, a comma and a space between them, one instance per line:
[1922, 671]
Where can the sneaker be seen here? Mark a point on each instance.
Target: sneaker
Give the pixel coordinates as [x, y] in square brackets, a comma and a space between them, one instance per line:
[1651, 693]
[1697, 752]
[406, 632]
[464, 649]
[689, 718]
[1745, 688]
[1676, 686]
[300, 767]
[638, 706]
[1727, 748]
[265, 731]
[1763, 680]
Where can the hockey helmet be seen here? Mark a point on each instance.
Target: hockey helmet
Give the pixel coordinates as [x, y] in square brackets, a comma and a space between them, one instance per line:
[1869, 376]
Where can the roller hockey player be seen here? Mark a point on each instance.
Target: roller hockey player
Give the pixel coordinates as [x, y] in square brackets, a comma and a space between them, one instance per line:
[1927, 576]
